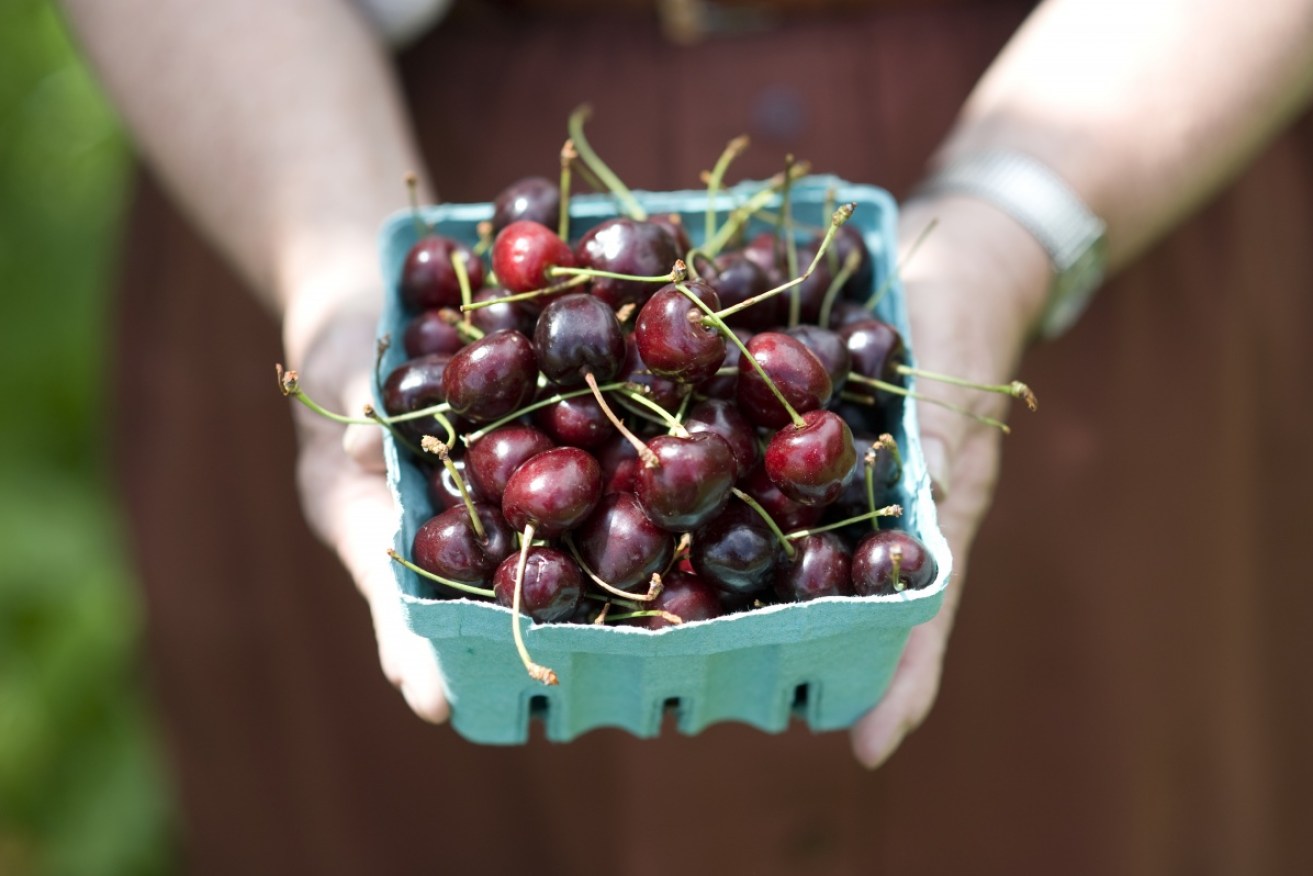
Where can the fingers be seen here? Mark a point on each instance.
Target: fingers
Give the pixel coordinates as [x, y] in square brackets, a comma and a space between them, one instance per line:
[909, 697]
[363, 444]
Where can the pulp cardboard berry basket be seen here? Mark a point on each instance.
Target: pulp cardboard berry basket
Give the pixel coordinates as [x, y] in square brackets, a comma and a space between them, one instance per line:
[827, 661]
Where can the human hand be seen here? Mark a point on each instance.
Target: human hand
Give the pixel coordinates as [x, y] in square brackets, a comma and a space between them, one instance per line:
[973, 291]
[330, 339]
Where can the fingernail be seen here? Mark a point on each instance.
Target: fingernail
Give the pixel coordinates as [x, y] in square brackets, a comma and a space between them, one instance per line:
[936, 463]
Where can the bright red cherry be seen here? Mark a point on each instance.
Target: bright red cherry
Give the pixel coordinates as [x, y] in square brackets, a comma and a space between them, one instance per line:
[523, 251]
[554, 491]
[810, 463]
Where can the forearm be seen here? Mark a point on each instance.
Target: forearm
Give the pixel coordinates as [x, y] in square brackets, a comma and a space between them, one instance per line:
[1146, 109]
[278, 127]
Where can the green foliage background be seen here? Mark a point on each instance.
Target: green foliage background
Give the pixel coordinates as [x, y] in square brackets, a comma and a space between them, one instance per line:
[81, 791]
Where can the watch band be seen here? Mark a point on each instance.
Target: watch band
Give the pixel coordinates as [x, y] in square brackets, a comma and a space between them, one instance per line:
[1045, 205]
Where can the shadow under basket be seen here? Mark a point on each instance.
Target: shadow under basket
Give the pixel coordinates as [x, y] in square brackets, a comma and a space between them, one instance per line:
[827, 661]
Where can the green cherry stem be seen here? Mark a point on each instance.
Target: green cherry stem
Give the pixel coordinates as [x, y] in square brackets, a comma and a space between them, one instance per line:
[471, 437]
[841, 276]
[663, 416]
[894, 389]
[644, 452]
[1015, 389]
[381, 347]
[462, 278]
[868, 463]
[422, 228]
[841, 216]
[831, 199]
[378, 420]
[526, 296]
[589, 273]
[568, 156]
[466, 329]
[647, 612]
[713, 319]
[785, 230]
[886, 511]
[484, 230]
[733, 150]
[740, 215]
[439, 449]
[654, 590]
[752, 503]
[454, 585]
[678, 425]
[590, 159]
[897, 272]
[536, 672]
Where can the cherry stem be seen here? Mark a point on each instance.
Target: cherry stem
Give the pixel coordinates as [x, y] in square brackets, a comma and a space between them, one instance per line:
[624, 402]
[612, 182]
[375, 418]
[886, 511]
[381, 348]
[841, 277]
[436, 447]
[455, 585]
[733, 150]
[1015, 389]
[484, 230]
[743, 213]
[678, 425]
[530, 408]
[785, 230]
[868, 462]
[831, 199]
[644, 452]
[841, 216]
[662, 415]
[466, 329]
[560, 271]
[526, 296]
[719, 324]
[653, 591]
[752, 503]
[894, 389]
[896, 557]
[536, 672]
[650, 612]
[422, 228]
[589, 177]
[897, 272]
[289, 384]
[462, 277]
[568, 156]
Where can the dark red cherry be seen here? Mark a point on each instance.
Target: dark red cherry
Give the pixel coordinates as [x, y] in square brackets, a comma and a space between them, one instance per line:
[724, 418]
[800, 376]
[738, 278]
[726, 385]
[550, 590]
[427, 277]
[578, 334]
[533, 199]
[672, 339]
[787, 514]
[810, 463]
[413, 385]
[442, 489]
[846, 313]
[575, 422]
[820, 567]
[621, 545]
[555, 491]
[523, 251]
[852, 501]
[626, 246]
[673, 225]
[830, 348]
[811, 291]
[507, 315]
[448, 545]
[688, 598]
[491, 460]
[429, 333]
[666, 393]
[849, 239]
[876, 348]
[736, 552]
[620, 463]
[491, 377]
[873, 563]
[767, 252]
[692, 482]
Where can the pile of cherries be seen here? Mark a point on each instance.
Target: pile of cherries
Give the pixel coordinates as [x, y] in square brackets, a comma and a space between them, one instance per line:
[626, 429]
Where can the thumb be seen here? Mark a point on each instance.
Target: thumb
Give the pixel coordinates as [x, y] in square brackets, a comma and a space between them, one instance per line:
[363, 444]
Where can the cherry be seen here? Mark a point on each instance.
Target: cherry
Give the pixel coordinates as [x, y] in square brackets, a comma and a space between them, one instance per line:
[691, 482]
[491, 459]
[621, 545]
[522, 253]
[799, 375]
[673, 225]
[847, 240]
[532, 199]
[447, 545]
[413, 385]
[688, 598]
[811, 291]
[876, 347]
[724, 418]
[726, 382]
[429, 333]
[830, 348]
[846, 313]
[738, 278]
[578, 334]
[672, 339]
[891, 561]
[505, 315]
[820, 566]
[787, 514]
[553, 491]
[577, 421]
[666, 393]
[626, 246]
[888, 471]
[766, 251]
[620, 463]
[809, 464]
[427, 277]
[552, 589]
[491, 377]
[736, 552]
[442, 489]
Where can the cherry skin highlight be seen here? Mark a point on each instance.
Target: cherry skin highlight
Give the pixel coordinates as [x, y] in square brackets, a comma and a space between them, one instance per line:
[491, 377]
[554, 491]
[809, 464]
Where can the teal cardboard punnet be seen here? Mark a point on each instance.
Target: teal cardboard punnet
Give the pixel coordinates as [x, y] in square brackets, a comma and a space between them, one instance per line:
[827, 661]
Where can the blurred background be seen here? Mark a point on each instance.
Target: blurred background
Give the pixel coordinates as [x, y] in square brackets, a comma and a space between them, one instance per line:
[82, 789]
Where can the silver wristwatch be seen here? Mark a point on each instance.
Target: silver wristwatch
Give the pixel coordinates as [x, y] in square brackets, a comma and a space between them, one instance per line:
[1041, 201]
